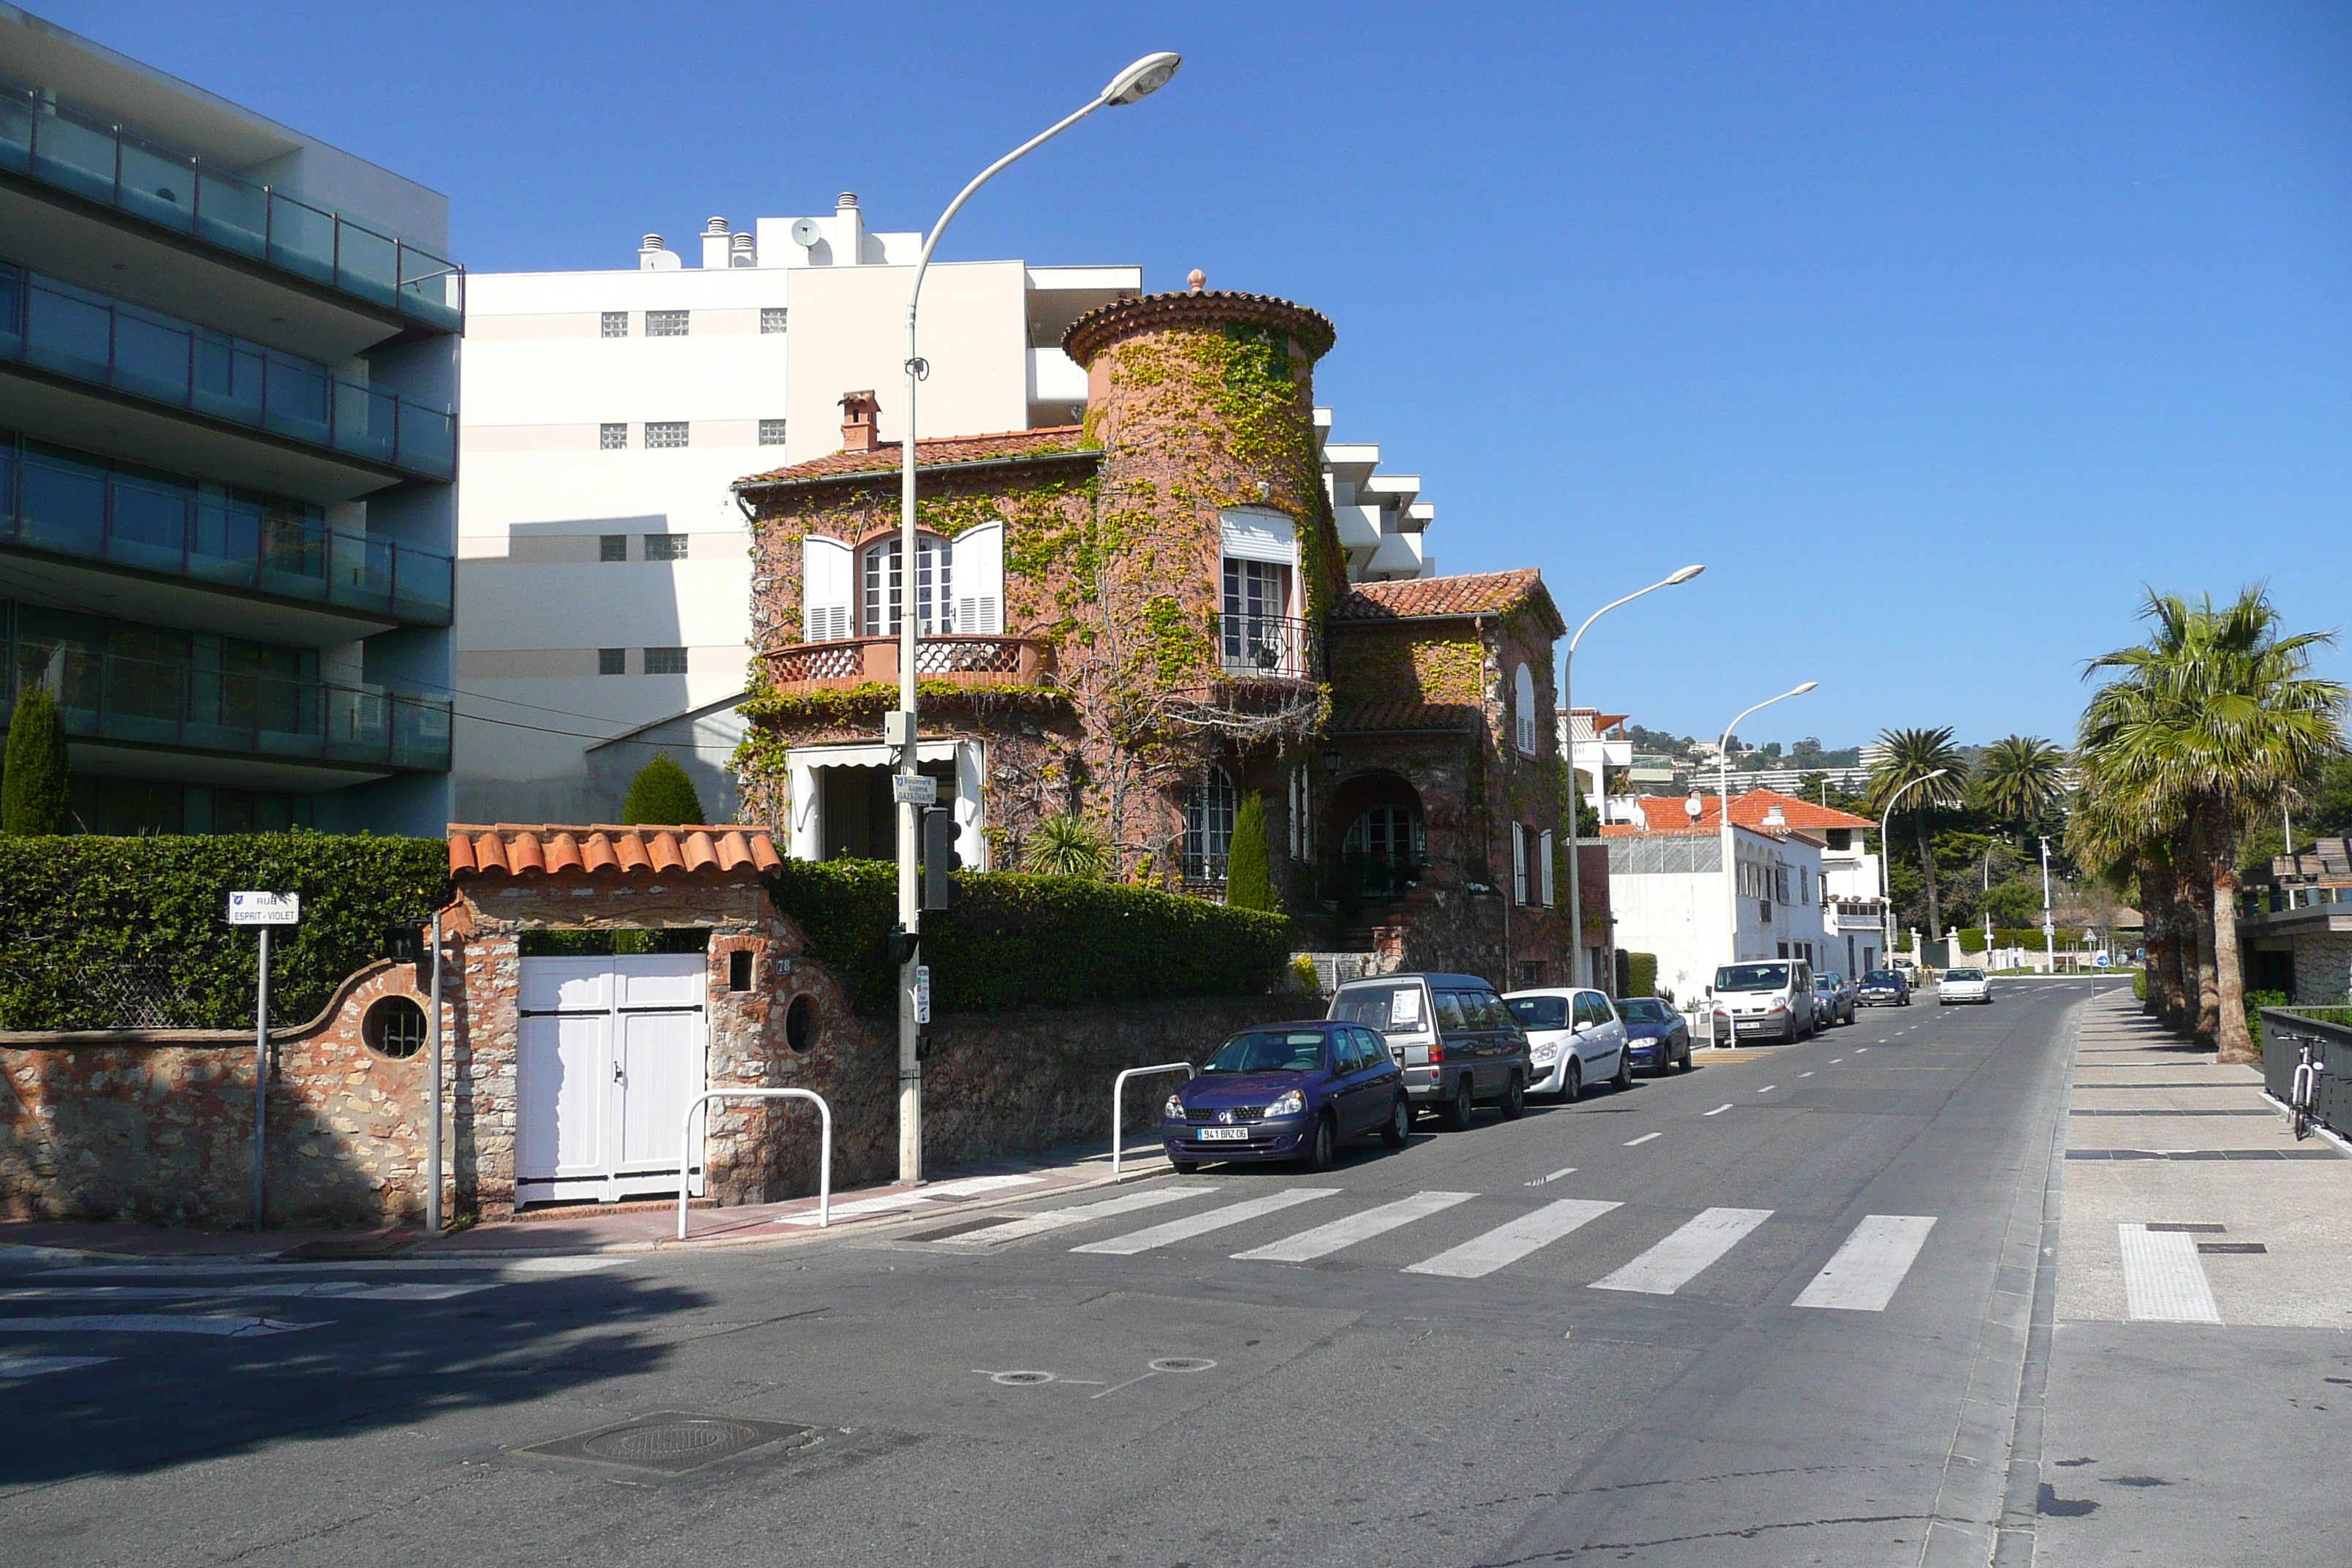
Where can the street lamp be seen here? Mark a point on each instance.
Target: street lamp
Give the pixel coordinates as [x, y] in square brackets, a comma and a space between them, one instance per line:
[2049, 929]
[1139, 80]
[1723, 809]
[1885, 887]
[1579, 974]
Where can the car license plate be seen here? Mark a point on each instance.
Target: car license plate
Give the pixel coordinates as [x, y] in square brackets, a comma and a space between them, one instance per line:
[1223, 1134]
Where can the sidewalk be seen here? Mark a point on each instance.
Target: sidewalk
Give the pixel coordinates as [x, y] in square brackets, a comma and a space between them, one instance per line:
[639, 1227]
[2200, 1388]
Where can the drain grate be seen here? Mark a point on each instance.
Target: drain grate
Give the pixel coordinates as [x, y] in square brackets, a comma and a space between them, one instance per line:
[2232, 1246]
[671, 1442]
[2182, 1225]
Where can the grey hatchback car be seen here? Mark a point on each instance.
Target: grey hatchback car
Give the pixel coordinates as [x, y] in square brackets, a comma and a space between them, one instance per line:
[1453, 1036]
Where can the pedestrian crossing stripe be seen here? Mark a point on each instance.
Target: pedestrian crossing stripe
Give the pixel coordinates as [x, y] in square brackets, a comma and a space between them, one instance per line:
[1684, 1254]
[1184, 1229]
[1309, 1244]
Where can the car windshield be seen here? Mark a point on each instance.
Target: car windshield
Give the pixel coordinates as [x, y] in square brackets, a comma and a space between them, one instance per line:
[1752, 977]
[1540, 1012]
[1382, 1008]
[1882, 977]
[1964, 974]
[1270, 1050]
[1824, 982]
[1643, 1010]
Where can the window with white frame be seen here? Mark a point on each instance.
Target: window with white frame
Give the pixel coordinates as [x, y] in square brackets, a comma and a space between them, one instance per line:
[884, 589]
[665, 323]
[1544, 866]
[1523, 708]
[771, 318]
[613, 437]
[977, 570]
[1256, 632]
[1519, 867]
[1209, 808]
[664, 661]
[617, 324]
[771, 432]
[826, 589]
[665, 433]
[666, 546]
[611, 661]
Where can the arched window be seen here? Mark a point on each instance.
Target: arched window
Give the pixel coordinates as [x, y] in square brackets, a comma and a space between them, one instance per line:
[1384, 848]
[885, 588]
[1523, 709]
[1209, 808]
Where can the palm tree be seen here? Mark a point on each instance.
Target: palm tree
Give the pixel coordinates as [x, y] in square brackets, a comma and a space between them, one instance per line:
[2021, 777]
[1909, 756]
[2211, 722]
[2116, 838]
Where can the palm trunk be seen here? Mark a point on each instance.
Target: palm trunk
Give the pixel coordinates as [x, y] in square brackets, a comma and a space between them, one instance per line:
[1927, 869]
[2155, 914]
[2204, 998]
[2237, 1042]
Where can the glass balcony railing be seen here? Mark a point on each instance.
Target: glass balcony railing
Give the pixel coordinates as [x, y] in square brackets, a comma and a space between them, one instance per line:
[105, 696]
[88, 154]
[73, 331]
[51, 501]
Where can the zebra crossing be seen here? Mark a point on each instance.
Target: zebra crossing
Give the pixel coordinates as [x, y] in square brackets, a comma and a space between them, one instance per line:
[1863, 1275]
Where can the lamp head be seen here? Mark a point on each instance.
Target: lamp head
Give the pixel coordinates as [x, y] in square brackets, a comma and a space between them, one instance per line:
[1940, 772]
[1684, 576]
[1805, 688]
[1142, 79]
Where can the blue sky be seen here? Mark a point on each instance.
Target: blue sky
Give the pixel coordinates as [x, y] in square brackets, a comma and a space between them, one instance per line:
[1934, 331]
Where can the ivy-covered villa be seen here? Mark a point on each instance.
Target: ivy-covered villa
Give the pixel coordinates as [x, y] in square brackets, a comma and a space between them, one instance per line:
[1140, 621]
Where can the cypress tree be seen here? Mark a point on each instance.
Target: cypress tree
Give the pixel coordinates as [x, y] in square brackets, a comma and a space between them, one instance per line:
[33, 787]
[1249, 862]
[661, 793]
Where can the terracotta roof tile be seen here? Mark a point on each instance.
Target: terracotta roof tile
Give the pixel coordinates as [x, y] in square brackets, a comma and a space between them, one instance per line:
[883, 456]
[1421, 598]
[1395, 716]
[516, 848]
[1746, 811]
[1092, 332]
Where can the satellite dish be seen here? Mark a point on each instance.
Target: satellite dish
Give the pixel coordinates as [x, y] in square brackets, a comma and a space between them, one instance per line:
[1693, 807]
[807, 231]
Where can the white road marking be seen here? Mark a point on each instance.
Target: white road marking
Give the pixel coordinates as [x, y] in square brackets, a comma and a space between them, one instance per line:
[1482, 1255]
[1055, 1219]
[1861, 1275]
[1861, 1050]
[2163, 1280]
[1311, 1245]
[1556, 1175]
[151, 1323]
[1835, 1060]
[1806, 1074]
[1767, 1089]
[1718, 1109]
[350, 1266]
[13, 1368]
[1644, 1138]
[314, 1290]
[857, 1208]
[1191, 1225]
[1676, 1261]
[969, 1186]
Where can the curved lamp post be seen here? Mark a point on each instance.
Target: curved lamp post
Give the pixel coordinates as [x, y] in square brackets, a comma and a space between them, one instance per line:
[1139, 80]
[1885, 887]
[1723, 811]
[1579, 974]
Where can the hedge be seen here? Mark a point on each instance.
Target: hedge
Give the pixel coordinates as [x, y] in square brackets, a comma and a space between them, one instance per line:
[1642, 971]
[1972, 938]
[1013, 939]
[80, 916]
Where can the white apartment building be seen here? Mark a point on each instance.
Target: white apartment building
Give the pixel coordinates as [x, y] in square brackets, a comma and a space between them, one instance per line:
[605, 572]
[1602, 756]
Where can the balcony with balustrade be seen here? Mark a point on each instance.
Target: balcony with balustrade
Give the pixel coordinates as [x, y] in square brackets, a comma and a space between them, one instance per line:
[800, 669]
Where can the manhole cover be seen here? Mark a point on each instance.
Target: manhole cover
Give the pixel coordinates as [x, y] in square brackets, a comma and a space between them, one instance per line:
[669, 1442]
[1020, 1379]
[1182, 1363]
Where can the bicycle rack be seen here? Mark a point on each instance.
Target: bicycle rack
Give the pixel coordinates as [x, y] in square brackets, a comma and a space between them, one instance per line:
[824, 1158]
[1119, 1093]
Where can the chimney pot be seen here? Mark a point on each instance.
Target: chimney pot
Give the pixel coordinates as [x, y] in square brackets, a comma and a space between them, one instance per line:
[652, 242]
[844, 202]
[714, 226]
[859, 413]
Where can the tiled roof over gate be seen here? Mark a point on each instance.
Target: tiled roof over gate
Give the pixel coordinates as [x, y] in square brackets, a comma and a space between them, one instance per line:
[1478, 594]
[511, 849]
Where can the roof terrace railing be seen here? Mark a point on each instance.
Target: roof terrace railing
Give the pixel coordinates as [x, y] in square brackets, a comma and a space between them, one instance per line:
[89, 154]
[77, 332]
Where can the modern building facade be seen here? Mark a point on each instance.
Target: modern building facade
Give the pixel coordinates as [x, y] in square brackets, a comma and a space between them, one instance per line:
[229, 384]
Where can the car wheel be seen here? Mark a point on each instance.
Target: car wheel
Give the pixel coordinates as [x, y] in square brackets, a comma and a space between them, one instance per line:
[1515, 1098]
[1184, 1167]
[1399, 1131]
[1623, 1079]
[1325, 1143]
[1459, 1109]
[1571, 1081]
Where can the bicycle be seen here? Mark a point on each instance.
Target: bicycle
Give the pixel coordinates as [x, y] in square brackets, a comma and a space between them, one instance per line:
[2304, 1089]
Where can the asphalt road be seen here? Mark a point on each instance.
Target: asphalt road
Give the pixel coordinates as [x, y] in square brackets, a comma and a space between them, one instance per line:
[1770, 1311]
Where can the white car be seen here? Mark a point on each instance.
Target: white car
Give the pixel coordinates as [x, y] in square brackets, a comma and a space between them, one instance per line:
[1963, 985]
[1575, 1039]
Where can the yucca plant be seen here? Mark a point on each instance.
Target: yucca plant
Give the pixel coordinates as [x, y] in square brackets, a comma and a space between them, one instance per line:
[1065, 845]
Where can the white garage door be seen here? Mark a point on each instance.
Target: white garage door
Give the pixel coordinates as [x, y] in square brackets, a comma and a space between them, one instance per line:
[610, 1056]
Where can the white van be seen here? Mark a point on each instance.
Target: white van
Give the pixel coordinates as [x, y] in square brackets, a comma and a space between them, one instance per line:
[1770, 998]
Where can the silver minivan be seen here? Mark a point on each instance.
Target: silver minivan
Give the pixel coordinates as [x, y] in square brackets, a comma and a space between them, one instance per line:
[1770, 998]
[1458, 1044]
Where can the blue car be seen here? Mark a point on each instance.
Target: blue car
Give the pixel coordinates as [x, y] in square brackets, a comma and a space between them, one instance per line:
[1288, 1091]
[1656, 1039]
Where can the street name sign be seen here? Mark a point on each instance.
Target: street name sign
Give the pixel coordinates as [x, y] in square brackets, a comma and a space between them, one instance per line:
[265, 908]
[914, 789]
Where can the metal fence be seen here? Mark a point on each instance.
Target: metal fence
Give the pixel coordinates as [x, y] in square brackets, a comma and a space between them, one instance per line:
[1665, 853]
[2284, 1031]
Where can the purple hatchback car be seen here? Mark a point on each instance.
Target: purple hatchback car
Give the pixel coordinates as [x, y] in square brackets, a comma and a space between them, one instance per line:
[1288, 1091]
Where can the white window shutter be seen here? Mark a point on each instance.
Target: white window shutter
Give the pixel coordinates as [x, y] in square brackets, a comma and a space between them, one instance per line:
[824, 588]
[980, 581]
[1518, 863]
[1543, 866]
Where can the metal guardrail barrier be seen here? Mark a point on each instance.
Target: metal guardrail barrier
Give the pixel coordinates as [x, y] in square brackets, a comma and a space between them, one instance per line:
[2284, 1031]
[1118, 1094]
[824, 1158]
